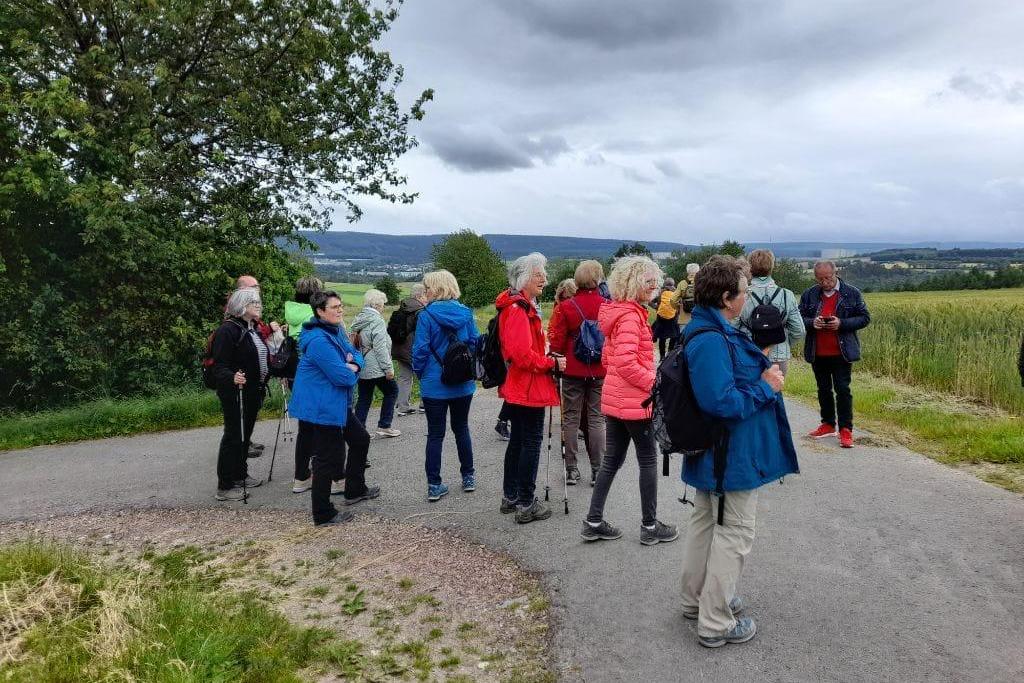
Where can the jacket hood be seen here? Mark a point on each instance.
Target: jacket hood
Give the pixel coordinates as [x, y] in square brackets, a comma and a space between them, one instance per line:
[612, 311]
[410, 304]
[508, 298]
[368, 316]
[703, 316]
[449, 313]
[313, 328]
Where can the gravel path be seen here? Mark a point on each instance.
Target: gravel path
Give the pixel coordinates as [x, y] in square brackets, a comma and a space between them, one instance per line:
[875, 564]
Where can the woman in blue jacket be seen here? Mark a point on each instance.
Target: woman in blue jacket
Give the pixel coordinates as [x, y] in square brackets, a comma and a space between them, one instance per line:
[734, 383]
[328, 369]
[443, 317]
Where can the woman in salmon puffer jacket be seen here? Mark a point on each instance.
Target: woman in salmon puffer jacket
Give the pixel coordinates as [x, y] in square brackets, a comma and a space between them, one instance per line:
[628, 358]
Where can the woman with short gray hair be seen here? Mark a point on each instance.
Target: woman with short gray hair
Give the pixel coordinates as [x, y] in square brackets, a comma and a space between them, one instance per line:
[370, 336]
[240, 372]
[529, 387]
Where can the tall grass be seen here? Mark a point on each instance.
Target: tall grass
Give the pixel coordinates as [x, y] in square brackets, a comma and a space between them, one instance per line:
[962, 343]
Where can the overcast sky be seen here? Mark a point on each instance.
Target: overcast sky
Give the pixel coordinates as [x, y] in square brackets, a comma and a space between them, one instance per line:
[700, 121]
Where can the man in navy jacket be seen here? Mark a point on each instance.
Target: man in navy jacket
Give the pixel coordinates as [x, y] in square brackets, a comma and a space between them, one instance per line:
[833, 311]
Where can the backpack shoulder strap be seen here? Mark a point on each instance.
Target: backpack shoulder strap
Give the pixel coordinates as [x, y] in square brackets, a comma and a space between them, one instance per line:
[755, 297]
[771, 299]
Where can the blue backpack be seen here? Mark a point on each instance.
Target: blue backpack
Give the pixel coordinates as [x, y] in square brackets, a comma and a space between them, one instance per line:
[589, 340]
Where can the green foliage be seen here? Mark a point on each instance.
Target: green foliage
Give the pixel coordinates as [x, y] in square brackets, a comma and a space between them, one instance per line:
[151, 152]
[558, 271]
[675, 266]
[388, 285]
[632, 249]
[479, 270]
[790, 275]
[1002, 278]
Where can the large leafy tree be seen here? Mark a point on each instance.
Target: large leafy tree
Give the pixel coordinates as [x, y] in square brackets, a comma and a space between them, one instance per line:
[479, 269]
[151, 151]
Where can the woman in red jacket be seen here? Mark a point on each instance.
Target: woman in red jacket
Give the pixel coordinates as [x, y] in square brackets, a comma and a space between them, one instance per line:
[529, 386]
[581, 386]
[628, 358]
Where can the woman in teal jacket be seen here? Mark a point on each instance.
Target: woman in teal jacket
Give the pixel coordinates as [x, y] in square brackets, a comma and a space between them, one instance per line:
[444, 316]
[735, 384]
[328, 369]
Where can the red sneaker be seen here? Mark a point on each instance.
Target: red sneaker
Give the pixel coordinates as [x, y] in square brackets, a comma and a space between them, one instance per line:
[824, 430]
[846, 438]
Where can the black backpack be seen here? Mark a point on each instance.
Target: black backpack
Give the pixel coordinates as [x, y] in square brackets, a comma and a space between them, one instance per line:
[767, 323]
[401, 324]
[285, 362]
[679, 425]
[589, 340]
[490, 362]
[458, 365]
[209, 381]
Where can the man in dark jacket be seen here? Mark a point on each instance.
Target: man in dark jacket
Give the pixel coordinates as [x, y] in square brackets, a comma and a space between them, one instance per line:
[401, 346]
[833, 311]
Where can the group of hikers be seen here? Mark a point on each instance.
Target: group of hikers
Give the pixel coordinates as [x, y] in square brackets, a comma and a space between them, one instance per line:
[729, 330]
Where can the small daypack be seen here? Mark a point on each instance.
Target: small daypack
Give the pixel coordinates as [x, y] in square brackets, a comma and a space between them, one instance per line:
[767, 323]
[400, 325]
[491, 368]
[209, 381]
[458, 364]
[589, 340]
[285, 362]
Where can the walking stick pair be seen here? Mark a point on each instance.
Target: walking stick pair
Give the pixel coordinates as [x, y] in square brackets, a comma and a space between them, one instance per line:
[561, 438]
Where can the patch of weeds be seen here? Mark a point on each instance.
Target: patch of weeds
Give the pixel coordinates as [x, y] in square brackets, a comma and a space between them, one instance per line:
[539, 603]
[390, 666]
[388, 632]
[405, 583]
[432, 619]
[346, 656]
[420, 654]
[467, 627]
[449, 662]
[353, 605]
[176, 564]
[281, 580]
[334, 554]
[351, 588]
[317, 592]
[493, 657]
[435, 633]
[382, 617]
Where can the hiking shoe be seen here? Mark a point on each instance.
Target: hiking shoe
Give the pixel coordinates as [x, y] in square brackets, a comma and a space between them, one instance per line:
[572, 476]
[469, 483]
[249, 483]
[659, 533]
[823, 431]
[255, 450]
[534, 513]
[741, 632]
[435, 491]
[846, 438]
[735, 605]
[337, 487]
[602, 532]
[503, 433]
[593, 477]
[302, 485]
[388, 432]
[370, 493]
[340, 517]
[403, 413]
[507, 506]
[235, 493]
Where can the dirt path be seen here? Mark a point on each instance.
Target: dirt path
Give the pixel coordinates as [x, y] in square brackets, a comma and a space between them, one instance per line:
[873, 564]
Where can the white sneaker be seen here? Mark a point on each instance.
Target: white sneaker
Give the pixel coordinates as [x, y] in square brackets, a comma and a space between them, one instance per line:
[388, 431]
[337, 487]
[302, 485]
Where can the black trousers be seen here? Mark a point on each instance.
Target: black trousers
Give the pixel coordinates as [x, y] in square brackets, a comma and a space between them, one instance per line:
[327, 446]
[302, 454]
[832, 374]
[234, 445]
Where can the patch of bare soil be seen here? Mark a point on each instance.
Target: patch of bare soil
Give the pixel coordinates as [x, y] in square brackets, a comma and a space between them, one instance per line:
[405, 601]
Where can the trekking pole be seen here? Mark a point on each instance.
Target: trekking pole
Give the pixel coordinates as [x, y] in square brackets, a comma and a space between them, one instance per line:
[289, 435]
[241, 422]
[547, 461]
[273, 455]
[561, 438]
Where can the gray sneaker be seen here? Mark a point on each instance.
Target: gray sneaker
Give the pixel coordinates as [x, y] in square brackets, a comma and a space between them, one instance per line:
[250, 483]
[602, 532]
[736, 605]
[572, 475]
[535, 512]
[741, 632]
[507, 506]
[661, 533]
[235, 493]
[370, 493]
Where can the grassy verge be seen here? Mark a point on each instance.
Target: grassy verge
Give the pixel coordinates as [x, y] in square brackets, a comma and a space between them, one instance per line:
[988, 441]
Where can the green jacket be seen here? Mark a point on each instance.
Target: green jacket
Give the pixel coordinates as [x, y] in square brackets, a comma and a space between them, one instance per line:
[294, 315]
[374, 343]
[787, 303]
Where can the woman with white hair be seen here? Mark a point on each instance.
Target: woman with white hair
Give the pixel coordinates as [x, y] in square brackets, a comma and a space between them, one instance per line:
[529, 387]
[628, 358]
[240, 371]
[370, 336]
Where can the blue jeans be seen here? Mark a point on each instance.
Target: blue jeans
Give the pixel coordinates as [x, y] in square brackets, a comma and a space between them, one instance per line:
[436, 409]
[523, 454]
[389, 388]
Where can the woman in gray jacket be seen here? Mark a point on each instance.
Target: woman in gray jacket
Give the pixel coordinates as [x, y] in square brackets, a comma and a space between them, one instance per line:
[370, 335]
[763, 289]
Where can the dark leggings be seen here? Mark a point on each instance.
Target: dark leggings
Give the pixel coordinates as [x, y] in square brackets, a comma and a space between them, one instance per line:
[522, 454]
[618, 435]
[234, 446]
[327, 444]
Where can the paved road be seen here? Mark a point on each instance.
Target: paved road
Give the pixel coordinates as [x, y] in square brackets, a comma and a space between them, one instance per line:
[875, 564]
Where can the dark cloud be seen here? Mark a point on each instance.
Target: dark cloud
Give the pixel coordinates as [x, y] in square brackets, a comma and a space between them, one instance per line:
[477, 150]
[988, 86]
[668, 167]
[636, 176]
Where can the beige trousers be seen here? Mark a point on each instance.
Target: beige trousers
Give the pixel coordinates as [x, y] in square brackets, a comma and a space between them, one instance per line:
[713, 557]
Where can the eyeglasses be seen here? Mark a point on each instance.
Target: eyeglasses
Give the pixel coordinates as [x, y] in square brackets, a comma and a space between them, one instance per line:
[256, 302]
[335, 307]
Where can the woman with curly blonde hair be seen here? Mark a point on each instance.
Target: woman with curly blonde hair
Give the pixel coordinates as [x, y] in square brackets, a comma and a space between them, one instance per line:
[628, 358]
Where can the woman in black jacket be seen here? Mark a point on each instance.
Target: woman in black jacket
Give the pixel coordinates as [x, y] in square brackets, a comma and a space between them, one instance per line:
[241, 370]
